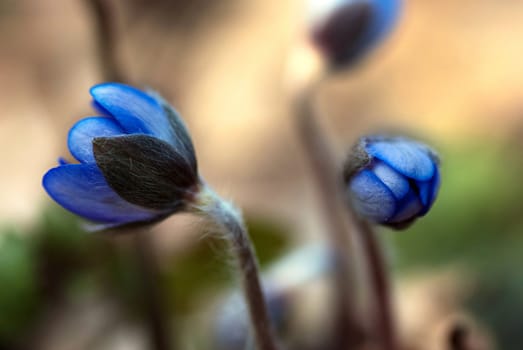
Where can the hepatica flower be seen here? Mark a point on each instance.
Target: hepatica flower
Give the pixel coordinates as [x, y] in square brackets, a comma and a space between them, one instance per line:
[346, 29]
[392, 180]
[136, 161]
[137, 165]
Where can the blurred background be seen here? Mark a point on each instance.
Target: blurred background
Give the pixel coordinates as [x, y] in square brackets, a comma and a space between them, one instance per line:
[451, 73]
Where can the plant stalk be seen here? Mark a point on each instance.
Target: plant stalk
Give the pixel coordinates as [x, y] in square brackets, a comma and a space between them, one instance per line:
[154, 302]
[380, 286]
[151, 291]
[230, 222]
[349, 333]
[104, 17]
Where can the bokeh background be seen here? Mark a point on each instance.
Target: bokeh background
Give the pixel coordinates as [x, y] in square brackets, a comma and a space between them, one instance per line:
[451, 73]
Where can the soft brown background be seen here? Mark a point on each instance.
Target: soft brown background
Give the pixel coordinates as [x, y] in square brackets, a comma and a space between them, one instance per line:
[451, 70]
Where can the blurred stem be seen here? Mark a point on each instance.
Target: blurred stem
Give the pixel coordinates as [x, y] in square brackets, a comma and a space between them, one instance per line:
[349, 332]
[152, 291]
[380, 286]
[458, 338]
[103, 14]
[154, 301]
[230, 222]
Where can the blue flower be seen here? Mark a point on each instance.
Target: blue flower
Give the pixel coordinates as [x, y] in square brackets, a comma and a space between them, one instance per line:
[136, 162]
[392, 180]
[351, 27]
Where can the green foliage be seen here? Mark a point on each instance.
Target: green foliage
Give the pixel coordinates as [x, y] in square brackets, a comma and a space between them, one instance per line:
[18, 294]
[207, 266]
[54, 260]
[477, 221]
[270, 238]
[194, 276]
[477, 209]
[58, 261]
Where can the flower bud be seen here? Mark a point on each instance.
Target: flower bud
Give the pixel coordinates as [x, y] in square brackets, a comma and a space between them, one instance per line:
[136, 162]
[391, 180]
[344, 30]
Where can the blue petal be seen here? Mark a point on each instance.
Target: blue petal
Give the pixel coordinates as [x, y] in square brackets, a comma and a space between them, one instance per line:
[82, 189]
[62, 161]
[396, 183]
[100, 109]
[407, 157]
[135, 111]
[428, 192]
[385, 15]
[371, 198]
[409, 208]
[81, 135]
[182, 142]
[425, 191]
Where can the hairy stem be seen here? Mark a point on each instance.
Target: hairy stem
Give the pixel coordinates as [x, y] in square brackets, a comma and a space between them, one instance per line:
[380, 287]
[230, 222]
[349, 333]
